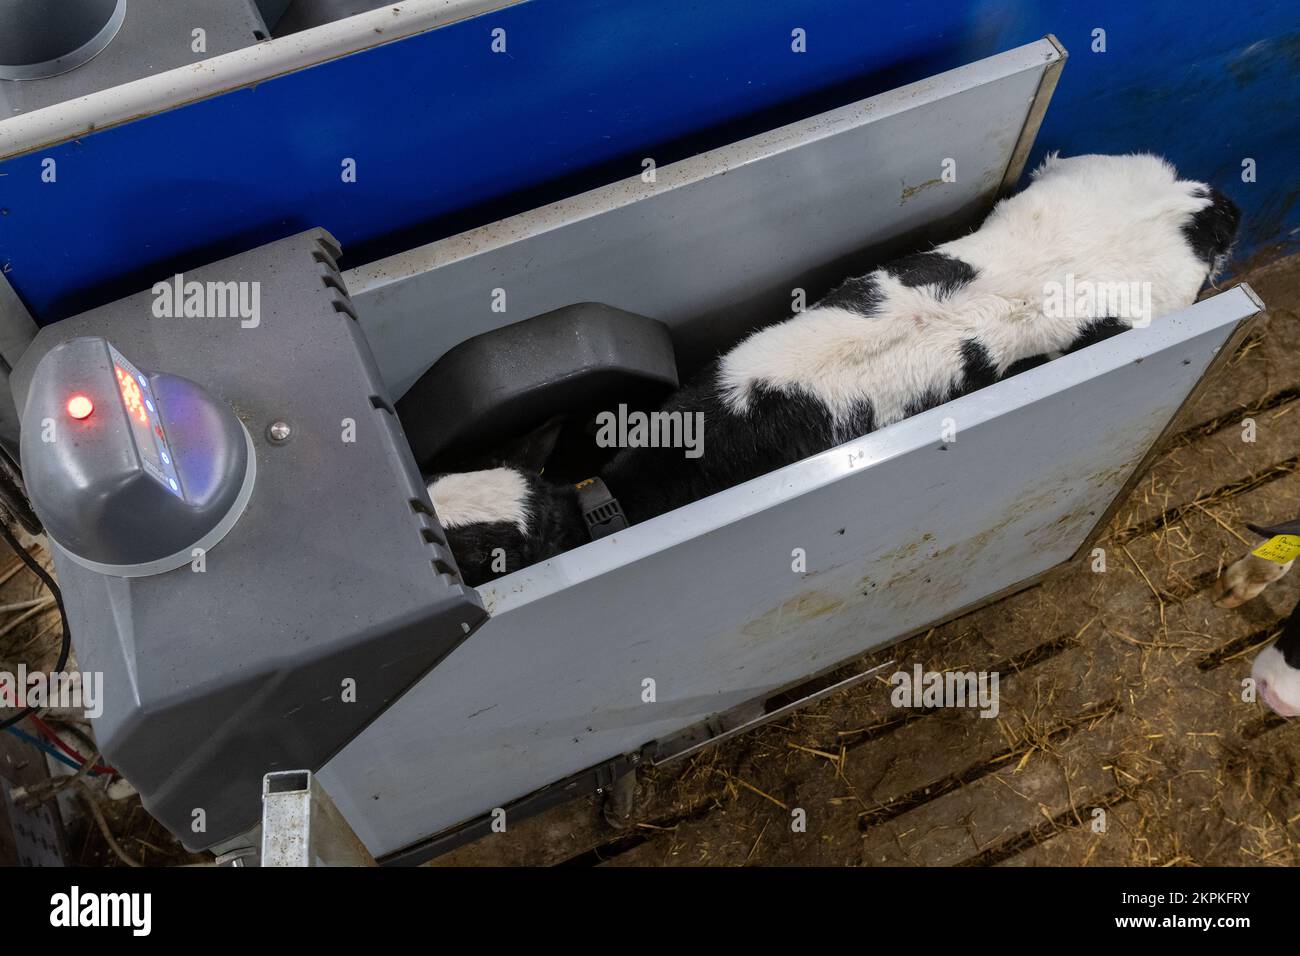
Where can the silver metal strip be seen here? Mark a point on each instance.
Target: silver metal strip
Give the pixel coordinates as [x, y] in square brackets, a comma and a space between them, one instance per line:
[301, 826]
[1037, 110]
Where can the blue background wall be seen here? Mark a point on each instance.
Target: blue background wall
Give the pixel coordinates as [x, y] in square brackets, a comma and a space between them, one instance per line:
[448, 135]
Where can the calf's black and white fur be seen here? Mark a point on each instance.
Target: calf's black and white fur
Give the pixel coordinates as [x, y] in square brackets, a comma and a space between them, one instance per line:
[911, 335]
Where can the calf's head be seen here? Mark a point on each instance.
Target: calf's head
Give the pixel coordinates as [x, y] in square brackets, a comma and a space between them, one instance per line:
[1128, 217]
[1277, 671]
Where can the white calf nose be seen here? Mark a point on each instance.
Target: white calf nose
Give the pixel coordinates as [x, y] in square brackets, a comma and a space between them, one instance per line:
[1273, 703]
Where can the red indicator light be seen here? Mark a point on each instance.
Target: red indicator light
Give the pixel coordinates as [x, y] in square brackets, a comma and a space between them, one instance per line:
[79, 406]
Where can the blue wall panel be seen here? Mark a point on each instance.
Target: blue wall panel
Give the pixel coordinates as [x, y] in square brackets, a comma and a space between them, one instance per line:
[448, 135]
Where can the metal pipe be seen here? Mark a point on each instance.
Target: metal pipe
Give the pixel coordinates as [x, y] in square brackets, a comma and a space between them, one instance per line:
[41, 39]
[301, 826]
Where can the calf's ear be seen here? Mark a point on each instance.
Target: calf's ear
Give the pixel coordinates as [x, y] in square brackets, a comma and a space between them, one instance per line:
[1268, 531]
[1049, 160]
[529, 453]
[1211, 231]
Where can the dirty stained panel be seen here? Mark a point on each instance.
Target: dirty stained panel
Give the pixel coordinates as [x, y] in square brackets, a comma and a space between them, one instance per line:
[900, 530]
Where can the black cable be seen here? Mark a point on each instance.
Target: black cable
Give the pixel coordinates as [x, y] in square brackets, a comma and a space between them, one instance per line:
[66, 648]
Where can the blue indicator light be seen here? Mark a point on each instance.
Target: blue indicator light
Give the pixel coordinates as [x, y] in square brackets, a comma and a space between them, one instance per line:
[144, 382]
[166, 460]
[172, 482]
[148, 404]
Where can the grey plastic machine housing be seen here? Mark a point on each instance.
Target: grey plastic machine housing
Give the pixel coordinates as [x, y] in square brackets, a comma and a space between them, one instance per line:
[329, 596]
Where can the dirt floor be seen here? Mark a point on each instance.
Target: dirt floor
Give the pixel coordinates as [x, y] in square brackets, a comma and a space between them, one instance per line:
[1120, 693]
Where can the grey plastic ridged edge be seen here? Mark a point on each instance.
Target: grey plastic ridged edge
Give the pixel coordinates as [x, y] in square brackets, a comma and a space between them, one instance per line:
[443, 563]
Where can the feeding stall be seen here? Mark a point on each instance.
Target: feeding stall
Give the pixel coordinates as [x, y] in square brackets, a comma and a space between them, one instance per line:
[323, 563]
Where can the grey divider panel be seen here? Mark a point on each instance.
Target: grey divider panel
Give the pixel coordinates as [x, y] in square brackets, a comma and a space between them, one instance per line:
[336, 570]
[900, 531]
[714, 246]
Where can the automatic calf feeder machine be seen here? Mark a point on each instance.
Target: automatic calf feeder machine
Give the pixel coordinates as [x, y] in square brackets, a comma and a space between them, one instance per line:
[243, 541]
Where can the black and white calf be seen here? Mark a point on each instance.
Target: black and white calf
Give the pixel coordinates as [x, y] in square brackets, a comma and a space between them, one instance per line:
[911, 335]
[1277, 667]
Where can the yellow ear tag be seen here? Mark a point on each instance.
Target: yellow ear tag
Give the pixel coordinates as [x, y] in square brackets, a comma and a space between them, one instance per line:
[1280, 548]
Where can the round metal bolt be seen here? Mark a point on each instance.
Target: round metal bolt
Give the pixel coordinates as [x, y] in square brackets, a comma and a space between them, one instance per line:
[279, 432]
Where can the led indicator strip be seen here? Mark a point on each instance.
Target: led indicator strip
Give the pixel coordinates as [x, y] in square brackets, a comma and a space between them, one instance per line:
[146, 424]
